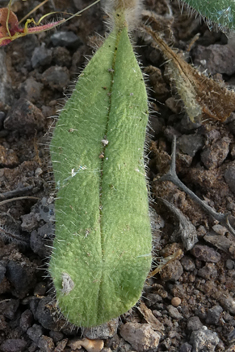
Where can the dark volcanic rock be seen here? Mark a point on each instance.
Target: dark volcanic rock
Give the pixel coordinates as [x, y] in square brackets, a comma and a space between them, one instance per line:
[205, 253]
[9, 307]
[56, 77]
[65, 38]
[213, 315]
[172, 271]
[24, 117]
[204, 340]
[41, 56]
[216, 58]
[13, 345]
[21, 278]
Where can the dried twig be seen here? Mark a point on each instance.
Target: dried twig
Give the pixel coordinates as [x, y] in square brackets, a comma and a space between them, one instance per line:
[16, 192]
[17, 198]
[224, 219]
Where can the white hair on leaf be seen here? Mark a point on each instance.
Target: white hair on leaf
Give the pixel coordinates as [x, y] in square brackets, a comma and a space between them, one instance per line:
[131, 8]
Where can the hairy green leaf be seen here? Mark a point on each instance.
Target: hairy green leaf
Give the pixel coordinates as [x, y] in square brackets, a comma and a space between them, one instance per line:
[102, 246]
[221, 12]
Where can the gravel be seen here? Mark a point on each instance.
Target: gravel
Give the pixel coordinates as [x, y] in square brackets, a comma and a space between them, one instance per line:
[192, 297]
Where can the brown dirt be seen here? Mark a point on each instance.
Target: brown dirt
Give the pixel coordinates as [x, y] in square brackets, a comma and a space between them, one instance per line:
[191, 301]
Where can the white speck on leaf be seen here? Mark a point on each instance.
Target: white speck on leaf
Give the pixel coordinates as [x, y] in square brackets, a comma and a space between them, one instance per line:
[67, 284]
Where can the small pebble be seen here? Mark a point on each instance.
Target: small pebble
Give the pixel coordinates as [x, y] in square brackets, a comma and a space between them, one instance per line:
[194, 323]
[172, 271]
[31, 90]
[34, 333]
[65, 38]
[56, 77]
[41, 56]
[166, 344]
[13, 345]
[174, 313]
[229, 264]
[140, 336]
[61, 56]
[204, 337]
[39, 240]
[213, 315]
[208, 271]
[25, 118]
[214, 155]
[29, 222]
[186, 347]
[231, 336]
[9, 307]
[176, 301]
[21, 277]
[56, 335]
[221, 230]
[45, 314]
[190, 144]
[188, 263]
[89, 345]
[205, 253]
[26, 320]
[46, 344]
[61, 345]
[227, 302]
[153, 299]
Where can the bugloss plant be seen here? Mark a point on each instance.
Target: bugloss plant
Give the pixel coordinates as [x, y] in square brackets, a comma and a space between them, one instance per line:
[102, 248]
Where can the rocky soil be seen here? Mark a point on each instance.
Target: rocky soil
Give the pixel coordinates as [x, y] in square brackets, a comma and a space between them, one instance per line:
[189, 305]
